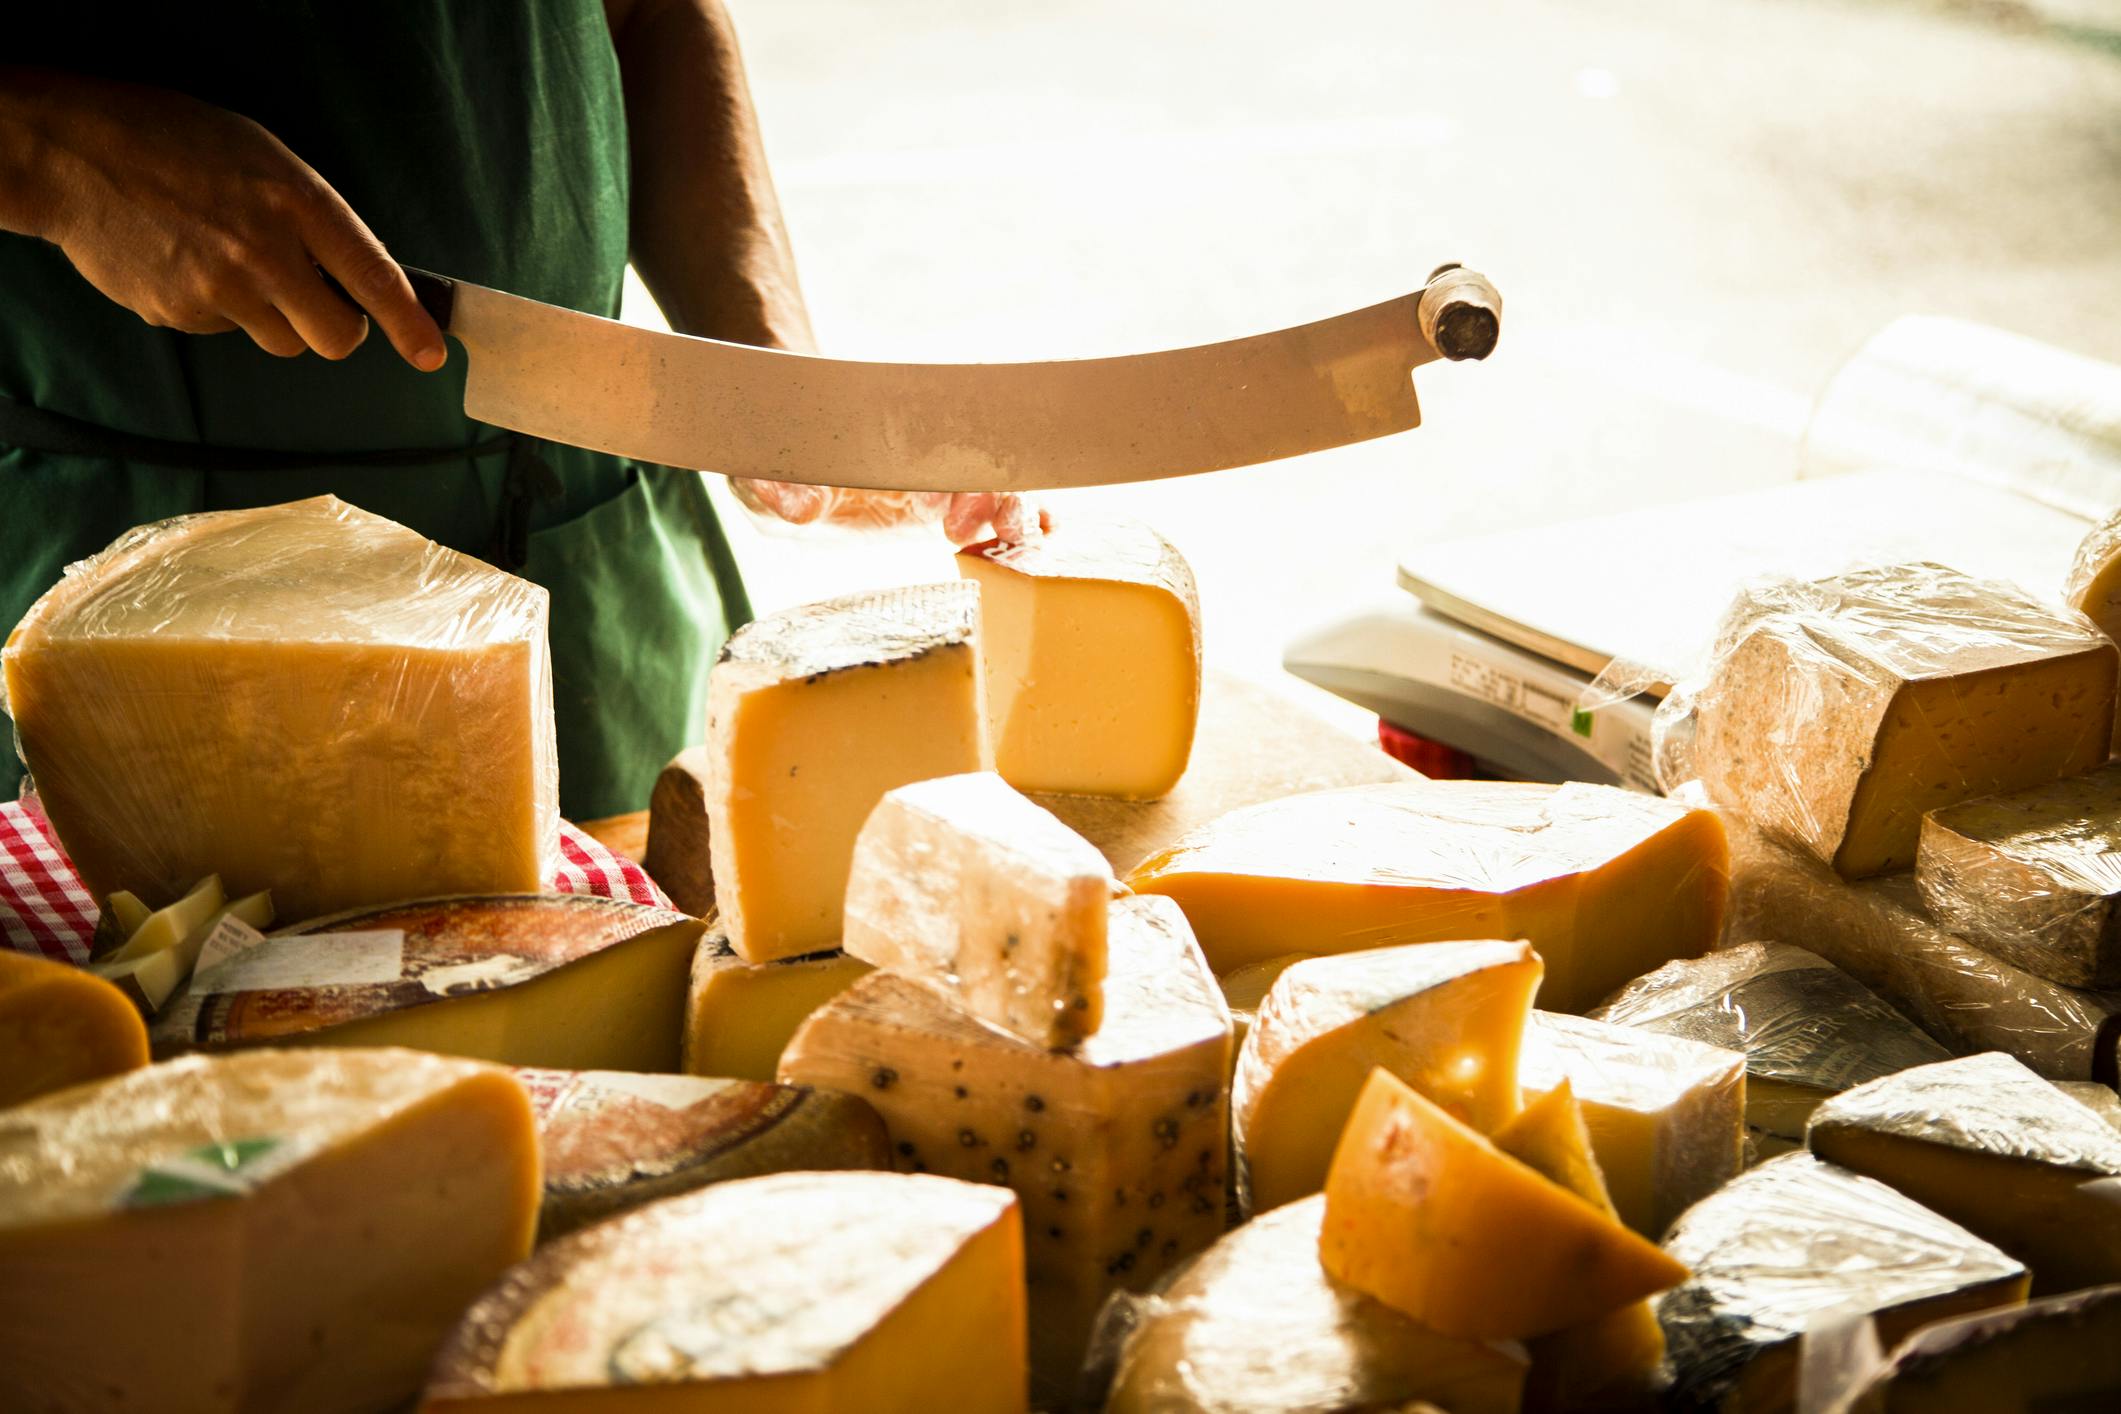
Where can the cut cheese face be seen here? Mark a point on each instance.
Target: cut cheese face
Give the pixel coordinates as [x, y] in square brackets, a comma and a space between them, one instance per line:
[740, 1015]
[1836, 712]
[678, 856]
[812, 714]
[1245, 988]
[304, 698]
[59, 1026]
[1093, 658]
[1446, 1018]
[309, 1226]
[827, 1293]
[2093, 587]
[962, 884]
[1605, 883]
[2061, 1353]
[1431, 1218]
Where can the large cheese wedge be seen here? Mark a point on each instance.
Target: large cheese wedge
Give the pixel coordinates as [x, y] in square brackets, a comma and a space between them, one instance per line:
[574, 982]
[1447, 1018]
[1431, 1218]
[1992, 1146]
[2057, 1354]
[812, 714]
[1796, 1242]
[1116, 1146]
[1837, 711]
[60, 1026]
[1255, 1326]
[740, 1015]
[304, 698]
[1606, 884]
[615, 1139]
[961, 883]
[1666, 1115]
[303, 1227]
[1093, 658]
[801, 1293]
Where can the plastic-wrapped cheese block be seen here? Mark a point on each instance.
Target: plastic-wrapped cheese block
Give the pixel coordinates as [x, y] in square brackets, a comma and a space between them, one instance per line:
[1093, 658]
[303, 698]
[60, 1026]
[826, 1293]
[2093, 586]
[615, 1139]
[812, 714]
[1806, 1028]
[570, 981]
[2059, 1353]
[303, 1227]
[1605, 883]
[2099, 1099]
[1835, 712]
[1995, 1148]
[2033, 877]
[739, 1015]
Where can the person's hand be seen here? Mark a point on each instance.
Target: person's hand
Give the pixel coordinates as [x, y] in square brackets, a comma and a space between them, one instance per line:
[965, 515]
[197, 219]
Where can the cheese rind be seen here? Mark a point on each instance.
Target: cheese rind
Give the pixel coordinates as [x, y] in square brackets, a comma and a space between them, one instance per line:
[2060, 1353]
[678, 856]
[740, 1015]
[59, 1026]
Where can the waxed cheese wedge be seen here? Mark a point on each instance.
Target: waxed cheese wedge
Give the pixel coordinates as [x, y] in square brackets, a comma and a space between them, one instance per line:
[812, 714]
[1835, 712]
[1447, 1018]
[2050, 1356]
[799, 1293]
[1666, 1115]
[306, 1226]
[739, 1015]
[1431, 1218]
[1254, 1325]
[1605, 883]
[1992, 1146]
[1093, 658]
[615, 1139]
[960, 883]
[1116, 1146]
[60, 1026]
[571, 981]
[304, 698]
[1797, 1241]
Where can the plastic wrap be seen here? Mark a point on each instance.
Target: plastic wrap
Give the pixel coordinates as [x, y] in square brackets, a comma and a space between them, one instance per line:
[2058, 1354]
[304, 698]
[964, 516]
[1986, 1104]
[2093, 584]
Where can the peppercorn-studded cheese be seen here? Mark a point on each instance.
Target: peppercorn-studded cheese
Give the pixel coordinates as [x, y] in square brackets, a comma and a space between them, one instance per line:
[739, 1015]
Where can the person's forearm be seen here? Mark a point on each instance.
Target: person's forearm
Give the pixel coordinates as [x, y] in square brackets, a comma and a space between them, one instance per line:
[27, 191]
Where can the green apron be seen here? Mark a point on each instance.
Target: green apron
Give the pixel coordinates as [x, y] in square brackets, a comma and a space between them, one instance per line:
[478, 138]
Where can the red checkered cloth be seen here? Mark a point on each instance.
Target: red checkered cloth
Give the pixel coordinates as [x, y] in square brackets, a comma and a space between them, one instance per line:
[45, 910]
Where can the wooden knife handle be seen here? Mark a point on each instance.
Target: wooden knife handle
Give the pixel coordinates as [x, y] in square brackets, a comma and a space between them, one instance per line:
[1460, 313]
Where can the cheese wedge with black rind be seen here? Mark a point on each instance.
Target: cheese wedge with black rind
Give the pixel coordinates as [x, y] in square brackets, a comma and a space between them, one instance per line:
[2058, 1354]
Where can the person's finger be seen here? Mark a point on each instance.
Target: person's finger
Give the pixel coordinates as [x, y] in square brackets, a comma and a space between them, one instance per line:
[785, 500]
[326, 323]
[267, 327]
[340, 242]
[965, 518]
[1018, 518]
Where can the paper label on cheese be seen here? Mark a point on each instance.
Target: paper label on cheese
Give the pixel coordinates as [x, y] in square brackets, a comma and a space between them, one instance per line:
[229, 937]
[322, 960]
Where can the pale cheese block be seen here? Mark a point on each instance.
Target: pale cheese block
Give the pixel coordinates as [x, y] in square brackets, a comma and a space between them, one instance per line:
[812, 714]
[799, 1293]
[304, 698]
[1835, 712]
[1605, 883]
[740, 1015]
[960, 883]
[2050, 1356]
[1446, 1018]
[1093, 658]
[60, 1026]
[302, 1227]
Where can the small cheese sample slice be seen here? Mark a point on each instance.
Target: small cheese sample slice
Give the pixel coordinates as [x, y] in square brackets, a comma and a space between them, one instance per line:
[1430, 1217]
[1992, 1146]
[156, 960]
[1255, 1326]
[2033, 877]
[812, 714]
[1836, 712]
[827, 1293]
[1605, 883]
[1116, 1146]
[1666, 1115]
[1795, 1241]
[165, 927]
[397, 695]
[678, 856]
[739, 1015]
[961, 883]
[1446, 1018]
[2057, 1354]
[60, 1026]
[1806, 1028]
[1093, 658]
[308, 1226]
[571, 981]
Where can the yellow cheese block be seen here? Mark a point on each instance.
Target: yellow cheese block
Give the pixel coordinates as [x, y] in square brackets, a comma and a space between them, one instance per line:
[2093, 586]
[60, 1026]
[1446, 1018]
[812, 714]
[960, 883]
[2058, 1354]
[739, 1015]
[304, 698]
[1093, 658]
[304, 1227]
[1430, 1217]
[1605, 883]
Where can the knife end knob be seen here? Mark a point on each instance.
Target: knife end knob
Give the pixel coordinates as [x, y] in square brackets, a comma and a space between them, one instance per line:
[1460, 313]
